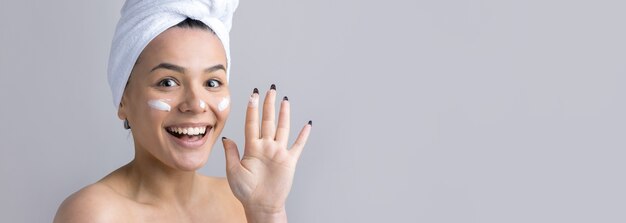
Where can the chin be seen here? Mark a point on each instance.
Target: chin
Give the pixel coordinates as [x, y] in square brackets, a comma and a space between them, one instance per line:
[191, 162]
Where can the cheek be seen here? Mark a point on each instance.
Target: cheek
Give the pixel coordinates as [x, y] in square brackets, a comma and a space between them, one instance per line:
[156, 111]
[223, 104]
[148, 116]
[160, 104]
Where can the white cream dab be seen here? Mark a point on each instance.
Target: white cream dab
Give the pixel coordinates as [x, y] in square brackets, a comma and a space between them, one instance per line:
[160, 105]
[223, 104]
[253, 102]
[202, 104]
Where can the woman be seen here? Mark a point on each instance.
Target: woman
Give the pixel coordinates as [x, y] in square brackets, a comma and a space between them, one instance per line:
[175, 101]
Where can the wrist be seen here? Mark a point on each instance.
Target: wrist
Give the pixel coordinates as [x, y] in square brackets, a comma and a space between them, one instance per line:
[265, 214]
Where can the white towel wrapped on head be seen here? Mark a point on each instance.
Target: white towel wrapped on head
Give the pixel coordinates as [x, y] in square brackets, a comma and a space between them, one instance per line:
[143, 20]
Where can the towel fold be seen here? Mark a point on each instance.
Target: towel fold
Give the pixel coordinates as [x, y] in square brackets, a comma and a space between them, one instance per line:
[143, 20]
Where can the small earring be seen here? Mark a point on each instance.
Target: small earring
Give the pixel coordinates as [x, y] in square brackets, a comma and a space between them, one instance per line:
[126, 125]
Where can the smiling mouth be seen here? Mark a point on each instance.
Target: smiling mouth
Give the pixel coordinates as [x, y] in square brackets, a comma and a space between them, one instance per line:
[189, 133]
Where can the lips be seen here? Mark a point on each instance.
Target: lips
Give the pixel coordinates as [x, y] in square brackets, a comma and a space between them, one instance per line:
[189, 135]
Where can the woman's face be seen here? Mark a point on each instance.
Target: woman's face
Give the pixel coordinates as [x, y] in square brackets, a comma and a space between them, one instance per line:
[177, 99]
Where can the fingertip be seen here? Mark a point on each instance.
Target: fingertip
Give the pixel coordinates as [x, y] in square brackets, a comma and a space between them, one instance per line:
[253, 101]
[284, 103]
[225, 142]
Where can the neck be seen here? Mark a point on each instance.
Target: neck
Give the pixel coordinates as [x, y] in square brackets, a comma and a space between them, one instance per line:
[152, 181]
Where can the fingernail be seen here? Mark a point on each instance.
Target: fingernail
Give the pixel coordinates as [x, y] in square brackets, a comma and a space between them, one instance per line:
[273, 87]
[255, 91]
[310, 122]
[223, 138]
[285, 98]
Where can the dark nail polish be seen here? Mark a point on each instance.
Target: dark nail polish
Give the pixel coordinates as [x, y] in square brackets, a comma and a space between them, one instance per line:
[310, 122]
[255, 91]
[273, 87]
[285, 98]
[223, 138]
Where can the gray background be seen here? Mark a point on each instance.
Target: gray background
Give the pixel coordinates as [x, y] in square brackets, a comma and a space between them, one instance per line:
[424, 111]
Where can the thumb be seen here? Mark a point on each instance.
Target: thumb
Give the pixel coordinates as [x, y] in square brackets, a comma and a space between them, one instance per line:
[232, 154]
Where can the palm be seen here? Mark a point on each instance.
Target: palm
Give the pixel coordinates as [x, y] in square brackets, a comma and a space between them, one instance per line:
[264, 175]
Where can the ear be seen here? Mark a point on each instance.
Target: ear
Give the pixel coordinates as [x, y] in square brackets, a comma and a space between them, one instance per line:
[121, 111]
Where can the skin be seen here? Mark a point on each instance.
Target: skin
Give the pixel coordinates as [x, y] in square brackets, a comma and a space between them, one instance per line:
[161, 184]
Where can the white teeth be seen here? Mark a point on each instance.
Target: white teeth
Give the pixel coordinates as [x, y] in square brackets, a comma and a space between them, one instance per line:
[188, 131]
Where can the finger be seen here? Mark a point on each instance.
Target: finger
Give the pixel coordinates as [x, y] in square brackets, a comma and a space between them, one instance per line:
[282, 131]
[298, 145]
[232, 154]
[267, 126]
[252, 116]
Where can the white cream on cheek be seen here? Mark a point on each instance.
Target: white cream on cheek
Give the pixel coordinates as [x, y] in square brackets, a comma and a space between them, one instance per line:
[223, 104]
[202, 104]
[160, 104]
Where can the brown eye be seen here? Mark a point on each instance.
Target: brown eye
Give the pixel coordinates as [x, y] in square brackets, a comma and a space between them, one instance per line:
[168, 82]
[213, 83]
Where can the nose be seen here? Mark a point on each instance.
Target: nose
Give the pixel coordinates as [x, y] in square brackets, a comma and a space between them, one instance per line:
[192, 102]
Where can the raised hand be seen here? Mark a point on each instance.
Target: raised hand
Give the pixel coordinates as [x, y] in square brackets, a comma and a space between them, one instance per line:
[262, 179]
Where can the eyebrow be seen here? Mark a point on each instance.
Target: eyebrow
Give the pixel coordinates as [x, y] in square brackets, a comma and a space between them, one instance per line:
[180, 69]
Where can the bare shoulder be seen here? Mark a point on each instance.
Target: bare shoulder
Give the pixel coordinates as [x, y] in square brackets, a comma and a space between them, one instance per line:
[94, 203]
